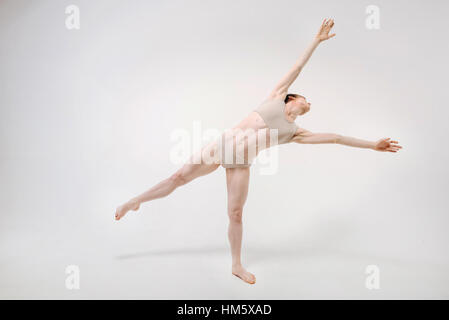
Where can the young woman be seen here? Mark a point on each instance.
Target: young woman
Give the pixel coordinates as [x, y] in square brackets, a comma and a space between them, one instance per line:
[273, 121]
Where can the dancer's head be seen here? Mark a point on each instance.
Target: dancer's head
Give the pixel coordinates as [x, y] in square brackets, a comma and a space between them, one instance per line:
[297, 104]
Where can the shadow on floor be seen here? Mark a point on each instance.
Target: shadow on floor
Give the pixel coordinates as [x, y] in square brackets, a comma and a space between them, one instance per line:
[174, 251]
[318, 242]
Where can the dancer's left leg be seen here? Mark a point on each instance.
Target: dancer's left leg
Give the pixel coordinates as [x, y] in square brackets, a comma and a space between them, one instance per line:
[237, 180]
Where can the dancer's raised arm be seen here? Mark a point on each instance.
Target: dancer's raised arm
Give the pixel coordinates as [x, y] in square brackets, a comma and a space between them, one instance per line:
[283, 85]
[307, 137]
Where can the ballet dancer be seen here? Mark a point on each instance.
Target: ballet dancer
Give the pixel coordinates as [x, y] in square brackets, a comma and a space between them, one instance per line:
[273, 120]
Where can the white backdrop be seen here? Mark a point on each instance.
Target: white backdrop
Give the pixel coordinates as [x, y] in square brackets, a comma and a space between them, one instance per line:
[85, 122]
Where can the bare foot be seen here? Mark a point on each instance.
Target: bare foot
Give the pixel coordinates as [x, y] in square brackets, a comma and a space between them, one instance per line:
[246, 276]
[124, 208]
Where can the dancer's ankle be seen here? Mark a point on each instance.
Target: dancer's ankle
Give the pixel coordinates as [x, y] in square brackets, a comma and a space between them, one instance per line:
[134, 203]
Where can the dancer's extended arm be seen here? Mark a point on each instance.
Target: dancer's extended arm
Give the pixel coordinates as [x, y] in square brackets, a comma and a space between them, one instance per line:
[283, 85]
[305, 136]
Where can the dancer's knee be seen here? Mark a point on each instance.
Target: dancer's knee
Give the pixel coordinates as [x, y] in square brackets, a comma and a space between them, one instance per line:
[179, 178]
[235, 214]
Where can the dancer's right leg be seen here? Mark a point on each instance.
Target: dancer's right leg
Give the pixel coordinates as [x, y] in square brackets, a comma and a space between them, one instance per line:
[184, 175]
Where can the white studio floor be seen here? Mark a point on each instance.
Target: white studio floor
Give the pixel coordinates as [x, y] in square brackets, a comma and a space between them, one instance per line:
[112, 267]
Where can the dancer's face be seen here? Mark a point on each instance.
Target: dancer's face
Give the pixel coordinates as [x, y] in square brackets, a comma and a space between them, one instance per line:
[299, 105]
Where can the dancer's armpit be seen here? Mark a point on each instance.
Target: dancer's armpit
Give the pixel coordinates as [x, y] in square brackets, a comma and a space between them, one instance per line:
[305, 136]
[300, 134]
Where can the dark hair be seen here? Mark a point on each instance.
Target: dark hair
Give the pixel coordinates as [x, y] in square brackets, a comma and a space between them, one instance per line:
[289, 96]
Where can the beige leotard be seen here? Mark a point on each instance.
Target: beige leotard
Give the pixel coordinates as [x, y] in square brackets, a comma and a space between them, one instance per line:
[272, 113]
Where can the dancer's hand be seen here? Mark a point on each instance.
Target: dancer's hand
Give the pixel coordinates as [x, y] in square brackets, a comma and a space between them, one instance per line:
[386, 145]
[323, 33]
